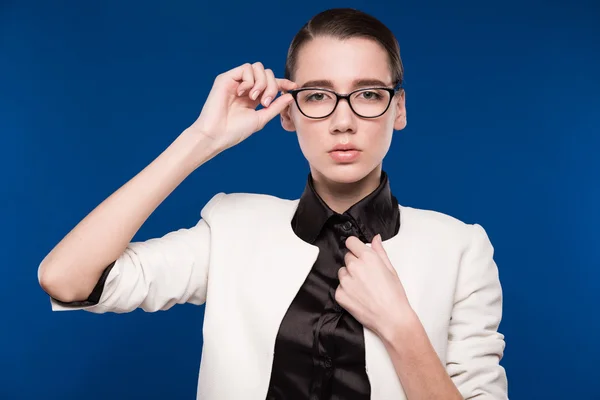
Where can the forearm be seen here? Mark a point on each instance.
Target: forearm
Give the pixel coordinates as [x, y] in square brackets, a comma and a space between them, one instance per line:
[70, 271]
[417, 364]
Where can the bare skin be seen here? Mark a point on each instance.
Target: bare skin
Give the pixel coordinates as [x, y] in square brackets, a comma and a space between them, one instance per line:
[71, 270]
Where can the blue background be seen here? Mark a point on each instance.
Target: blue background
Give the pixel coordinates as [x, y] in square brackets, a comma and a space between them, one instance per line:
[503, 106]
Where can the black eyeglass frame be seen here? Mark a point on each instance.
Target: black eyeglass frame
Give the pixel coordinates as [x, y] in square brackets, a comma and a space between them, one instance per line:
[338, 97]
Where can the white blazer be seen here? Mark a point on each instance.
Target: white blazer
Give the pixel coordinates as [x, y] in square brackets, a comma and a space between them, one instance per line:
[249, 279]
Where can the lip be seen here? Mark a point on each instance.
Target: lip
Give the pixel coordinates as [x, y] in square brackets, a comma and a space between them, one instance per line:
[343, 147]
[344, 153]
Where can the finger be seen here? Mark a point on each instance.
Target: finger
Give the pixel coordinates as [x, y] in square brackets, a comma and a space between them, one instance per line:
[377, 246]
[285, 84]
[342, 273]
[340, 296]
[247, 79]
[276, 107]
[350, 261]
[238, 73]
[357, 247]
[271, 90]
[260, 80]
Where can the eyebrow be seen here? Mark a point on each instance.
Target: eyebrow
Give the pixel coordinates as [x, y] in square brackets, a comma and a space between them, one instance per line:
[325, 83]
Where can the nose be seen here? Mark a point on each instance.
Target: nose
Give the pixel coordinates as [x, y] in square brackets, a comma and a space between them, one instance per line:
[343, 119]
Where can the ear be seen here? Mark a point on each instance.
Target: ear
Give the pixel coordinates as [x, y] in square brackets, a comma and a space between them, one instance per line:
[400, 121]
[287, 122]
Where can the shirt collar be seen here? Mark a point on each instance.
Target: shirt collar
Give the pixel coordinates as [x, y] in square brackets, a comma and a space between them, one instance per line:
[377, 213]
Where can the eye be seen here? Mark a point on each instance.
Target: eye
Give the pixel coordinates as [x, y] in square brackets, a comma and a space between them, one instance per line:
[316, 96]
[370, 95]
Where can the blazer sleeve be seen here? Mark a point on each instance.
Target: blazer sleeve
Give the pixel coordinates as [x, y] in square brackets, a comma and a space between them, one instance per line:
[155, 274]
[475, 347]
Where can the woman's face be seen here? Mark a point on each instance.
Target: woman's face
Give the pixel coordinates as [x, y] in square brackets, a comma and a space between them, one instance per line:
[340, 65]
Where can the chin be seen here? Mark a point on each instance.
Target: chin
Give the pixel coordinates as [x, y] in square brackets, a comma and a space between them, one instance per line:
[345, 173]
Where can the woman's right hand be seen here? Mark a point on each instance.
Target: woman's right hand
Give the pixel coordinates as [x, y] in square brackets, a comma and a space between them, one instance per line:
[229, 114]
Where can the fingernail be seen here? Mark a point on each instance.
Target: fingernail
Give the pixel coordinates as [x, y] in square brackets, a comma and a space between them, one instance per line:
[241, 92]
[268, 101]
[254, 95]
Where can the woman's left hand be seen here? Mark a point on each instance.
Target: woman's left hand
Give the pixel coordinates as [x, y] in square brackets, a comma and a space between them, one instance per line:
[370, 288]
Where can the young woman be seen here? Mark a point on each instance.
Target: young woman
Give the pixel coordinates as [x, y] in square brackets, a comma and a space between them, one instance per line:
[341, 294]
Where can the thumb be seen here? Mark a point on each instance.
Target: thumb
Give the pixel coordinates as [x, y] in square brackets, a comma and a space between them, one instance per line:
[268, 113]
[377, 245]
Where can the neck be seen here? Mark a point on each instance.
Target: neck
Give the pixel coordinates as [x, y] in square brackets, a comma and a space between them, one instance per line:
[341, 196]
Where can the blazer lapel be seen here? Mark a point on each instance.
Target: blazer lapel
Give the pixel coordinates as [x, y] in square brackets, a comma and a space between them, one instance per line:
[385, 383]
[279, 269]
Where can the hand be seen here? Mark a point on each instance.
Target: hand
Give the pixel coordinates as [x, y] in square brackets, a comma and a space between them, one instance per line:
[229, 114]
[370, 288]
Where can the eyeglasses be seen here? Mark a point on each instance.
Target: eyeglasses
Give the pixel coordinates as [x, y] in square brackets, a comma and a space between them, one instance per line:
[319, 103]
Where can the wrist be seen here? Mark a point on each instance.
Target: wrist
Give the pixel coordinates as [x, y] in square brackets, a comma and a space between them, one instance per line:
[399, 330]
[196, 147]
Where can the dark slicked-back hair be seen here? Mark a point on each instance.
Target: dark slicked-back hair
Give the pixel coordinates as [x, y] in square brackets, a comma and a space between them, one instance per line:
[346, 23]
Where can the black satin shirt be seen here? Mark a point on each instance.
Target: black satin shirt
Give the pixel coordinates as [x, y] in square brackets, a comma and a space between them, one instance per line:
[319, 349]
